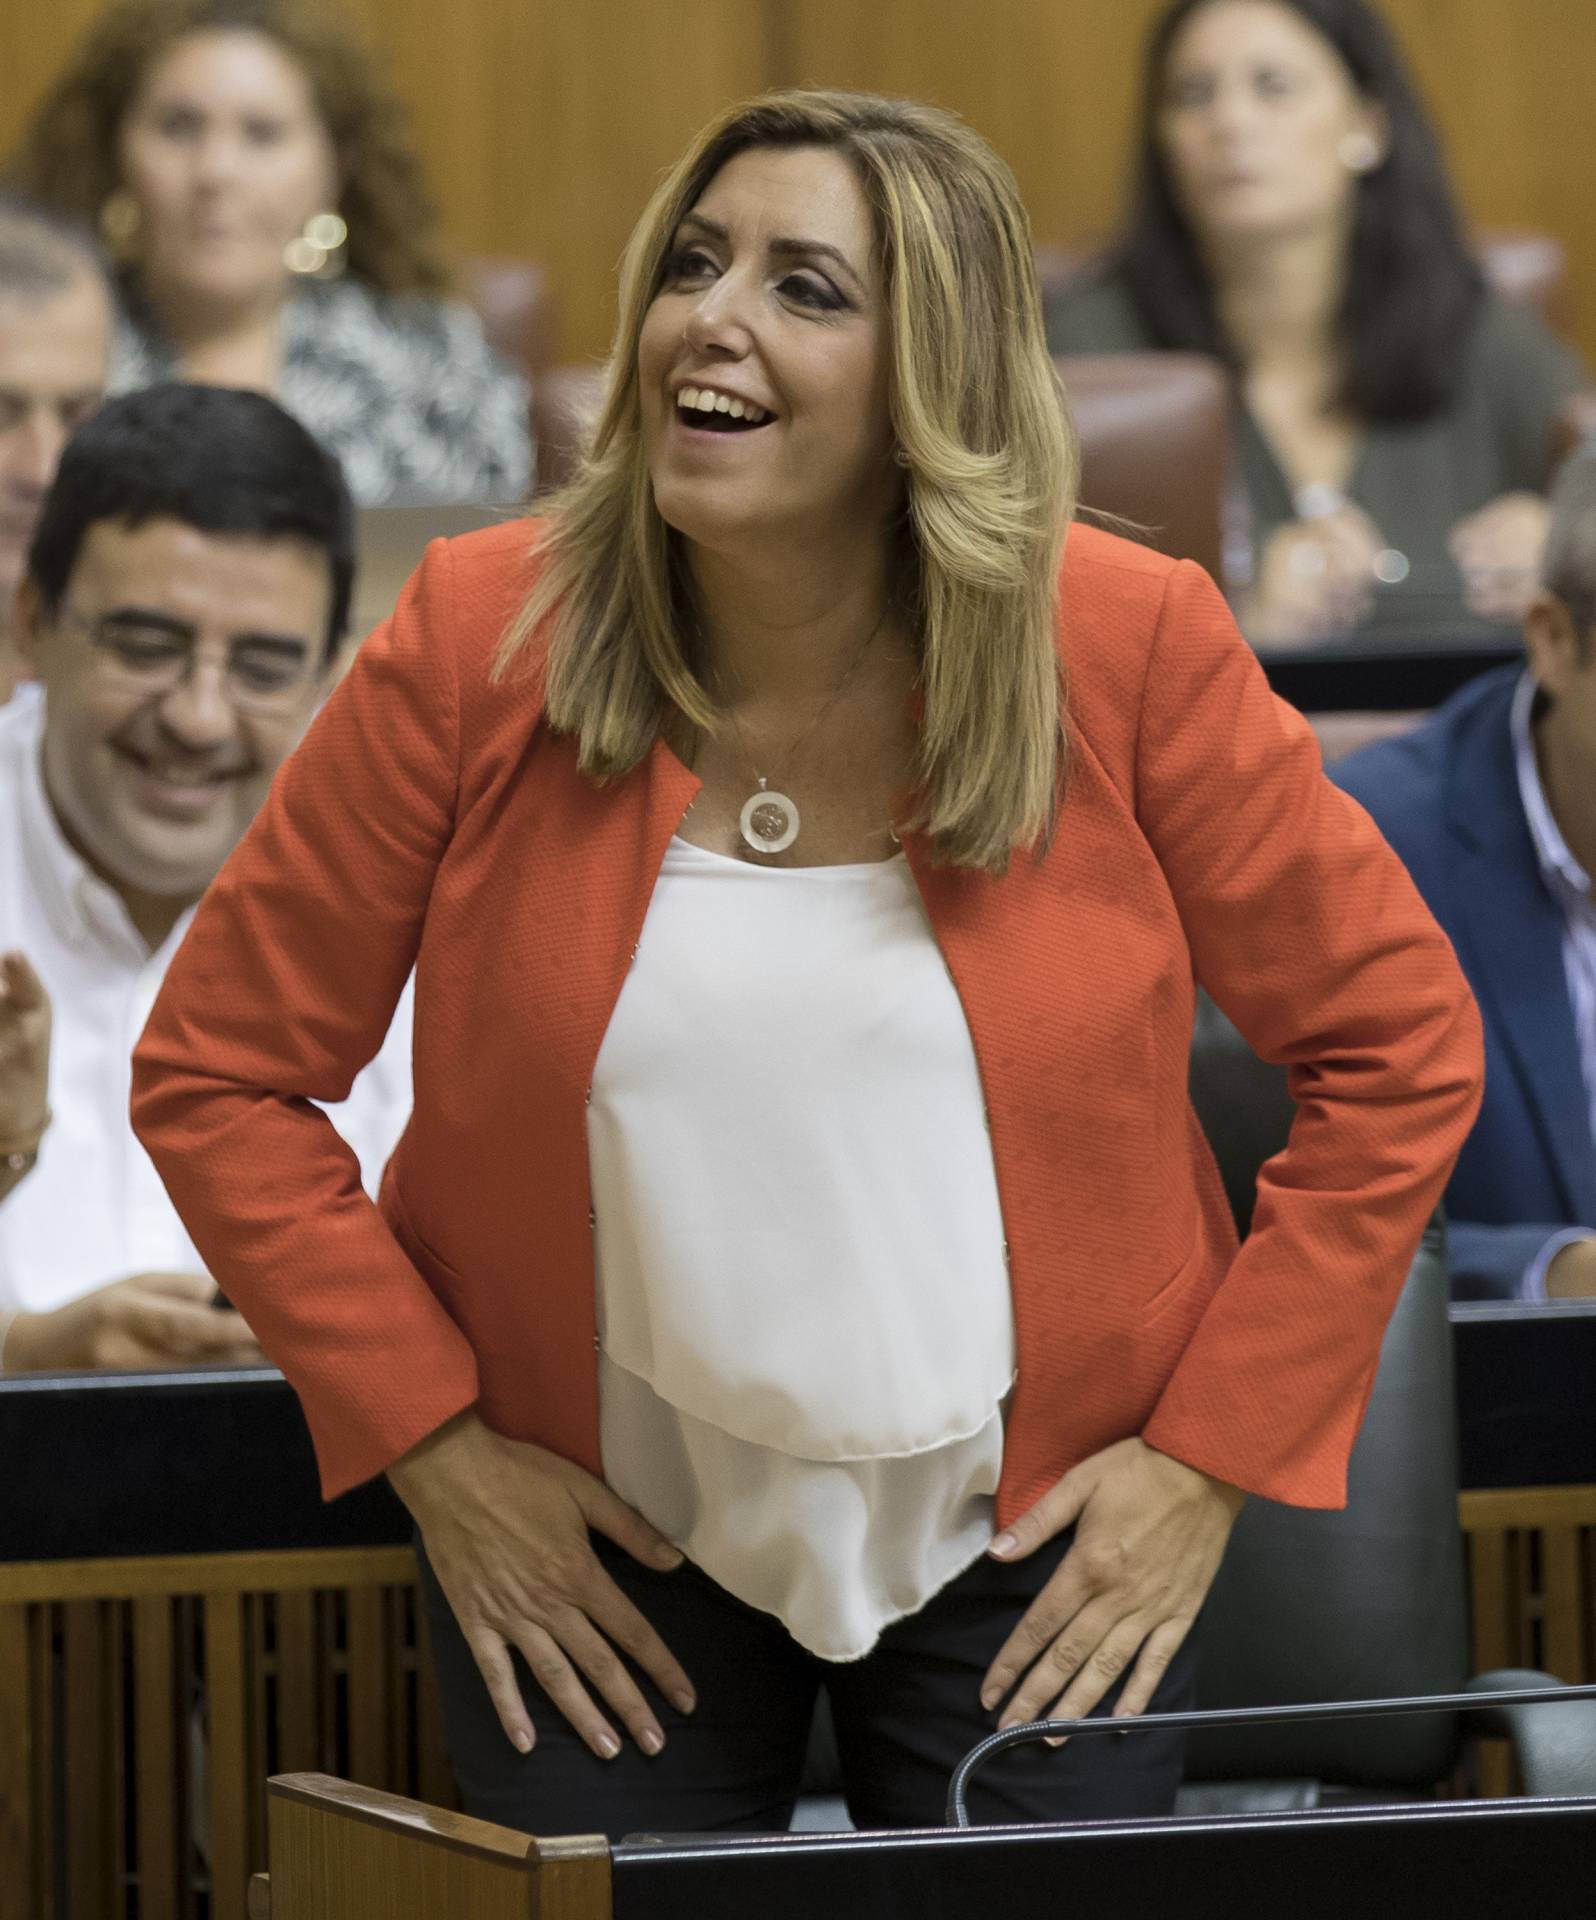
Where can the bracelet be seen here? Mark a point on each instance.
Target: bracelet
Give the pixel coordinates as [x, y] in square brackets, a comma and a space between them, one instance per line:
[16, 1156]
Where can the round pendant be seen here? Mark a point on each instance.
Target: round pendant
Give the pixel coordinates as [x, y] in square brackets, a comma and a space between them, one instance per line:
[769, 821]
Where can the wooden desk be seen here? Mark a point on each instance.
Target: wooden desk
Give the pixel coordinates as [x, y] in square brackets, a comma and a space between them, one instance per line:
[1527, 1444]
[181, 1616]
[342, 1854]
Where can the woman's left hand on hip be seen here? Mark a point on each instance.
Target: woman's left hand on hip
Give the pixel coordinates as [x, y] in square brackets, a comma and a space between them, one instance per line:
[1149, 1535]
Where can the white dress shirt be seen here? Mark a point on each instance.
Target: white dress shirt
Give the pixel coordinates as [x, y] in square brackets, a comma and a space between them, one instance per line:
[806, 1336]
[93, 1209]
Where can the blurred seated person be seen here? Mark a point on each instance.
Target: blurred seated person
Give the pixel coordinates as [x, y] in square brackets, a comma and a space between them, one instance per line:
[1396, 421]
[185, 594]
[55, 341]
[1492, 804]
[267, 214]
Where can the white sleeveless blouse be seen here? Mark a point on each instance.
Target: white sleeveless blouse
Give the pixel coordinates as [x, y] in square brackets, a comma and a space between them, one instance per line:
[805, 1330]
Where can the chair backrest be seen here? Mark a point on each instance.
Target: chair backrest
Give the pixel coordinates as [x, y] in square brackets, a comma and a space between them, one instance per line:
[1360, 1603]
[516, 306]
[1155, 445]
[1154, 430]
[1057, 266]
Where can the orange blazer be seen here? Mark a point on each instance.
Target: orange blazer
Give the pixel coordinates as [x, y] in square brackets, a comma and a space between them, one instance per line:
[429, 821]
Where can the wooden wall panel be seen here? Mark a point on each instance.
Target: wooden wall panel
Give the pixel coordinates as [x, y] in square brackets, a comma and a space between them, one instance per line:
[21, 1804]
[1052, 86]
[544, 123]
[35, 37]
[147, 1700]
[238, 1663]
[1510, 88]
[547, 124]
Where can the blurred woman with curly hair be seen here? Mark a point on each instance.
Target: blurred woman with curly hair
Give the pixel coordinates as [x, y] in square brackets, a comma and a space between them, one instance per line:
[256, 188]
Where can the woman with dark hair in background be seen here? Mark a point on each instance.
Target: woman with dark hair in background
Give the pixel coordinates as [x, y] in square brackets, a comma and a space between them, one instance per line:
[1397, 420]
[258, 192]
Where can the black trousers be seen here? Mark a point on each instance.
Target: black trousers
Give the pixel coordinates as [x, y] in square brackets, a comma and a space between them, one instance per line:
[904, 1715]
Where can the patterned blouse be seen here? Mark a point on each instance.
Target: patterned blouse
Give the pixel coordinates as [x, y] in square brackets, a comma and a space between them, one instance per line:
[402, 387]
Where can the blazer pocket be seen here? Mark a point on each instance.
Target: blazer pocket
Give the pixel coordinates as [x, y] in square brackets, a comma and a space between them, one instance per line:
[432, 1266]
[1177, 1286]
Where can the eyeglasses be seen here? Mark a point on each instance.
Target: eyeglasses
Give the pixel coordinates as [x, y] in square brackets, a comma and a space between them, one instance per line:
[149, 658]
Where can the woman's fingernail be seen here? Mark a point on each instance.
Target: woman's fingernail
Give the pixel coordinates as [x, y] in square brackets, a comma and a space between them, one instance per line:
[683, 1702]
[608, 1745]
[991, 1697]
[650, 1740]
[1005, 1543]
[522, 1740]
[1053, 1740]
[667, 1557]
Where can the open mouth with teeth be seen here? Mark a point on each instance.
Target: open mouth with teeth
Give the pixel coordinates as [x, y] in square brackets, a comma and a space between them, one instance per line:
[719, 412]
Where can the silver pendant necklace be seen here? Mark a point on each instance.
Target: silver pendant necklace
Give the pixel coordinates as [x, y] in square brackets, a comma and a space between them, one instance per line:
[770, 820]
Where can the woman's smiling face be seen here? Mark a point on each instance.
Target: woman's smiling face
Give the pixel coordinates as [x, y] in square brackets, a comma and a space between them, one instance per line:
[771, 306]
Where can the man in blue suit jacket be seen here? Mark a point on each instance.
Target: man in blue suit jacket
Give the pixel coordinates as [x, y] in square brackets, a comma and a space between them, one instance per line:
[1492, 805]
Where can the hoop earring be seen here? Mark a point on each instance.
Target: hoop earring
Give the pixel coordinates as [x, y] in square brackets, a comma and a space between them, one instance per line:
[119, 221]
[319, 251]
[1359, 152]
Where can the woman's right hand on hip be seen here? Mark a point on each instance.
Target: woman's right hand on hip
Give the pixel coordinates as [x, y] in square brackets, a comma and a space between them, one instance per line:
[506, 1528]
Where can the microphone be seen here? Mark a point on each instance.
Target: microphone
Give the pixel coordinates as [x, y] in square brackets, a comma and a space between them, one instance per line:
[958, 1813]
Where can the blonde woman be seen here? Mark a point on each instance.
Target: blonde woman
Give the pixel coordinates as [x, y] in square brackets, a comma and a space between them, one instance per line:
[803, 1269]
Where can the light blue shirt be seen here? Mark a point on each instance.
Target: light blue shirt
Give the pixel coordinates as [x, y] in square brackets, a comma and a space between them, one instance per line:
[1569, 885]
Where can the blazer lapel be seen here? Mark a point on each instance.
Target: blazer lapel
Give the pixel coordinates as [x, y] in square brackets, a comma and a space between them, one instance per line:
[1513, 932]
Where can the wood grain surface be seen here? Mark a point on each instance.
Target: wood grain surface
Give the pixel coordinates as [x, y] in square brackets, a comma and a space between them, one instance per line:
[544, 125]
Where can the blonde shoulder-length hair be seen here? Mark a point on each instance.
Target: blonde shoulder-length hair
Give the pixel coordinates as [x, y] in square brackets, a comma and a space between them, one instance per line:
[989, 460]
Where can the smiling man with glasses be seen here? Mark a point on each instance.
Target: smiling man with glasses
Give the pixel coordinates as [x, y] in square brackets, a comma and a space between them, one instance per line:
[186, 594]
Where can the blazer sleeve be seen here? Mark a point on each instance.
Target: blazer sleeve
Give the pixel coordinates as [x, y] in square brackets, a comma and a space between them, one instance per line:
[1307, 931]
[279, 995]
